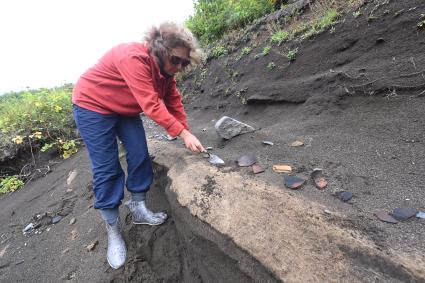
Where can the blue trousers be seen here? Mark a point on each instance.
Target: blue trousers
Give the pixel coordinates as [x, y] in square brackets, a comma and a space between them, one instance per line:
[100, 133]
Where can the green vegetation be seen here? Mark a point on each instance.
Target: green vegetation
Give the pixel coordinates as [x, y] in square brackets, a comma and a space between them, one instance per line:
[213, 18]
[246, 51]
[219, 51]
[292, 54]
[266, 51]
[39, 119]
[10, 184]
[271, 65]
[357, 14]
[279, 37]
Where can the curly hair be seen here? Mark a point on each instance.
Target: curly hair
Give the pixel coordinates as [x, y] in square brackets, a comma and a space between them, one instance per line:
[170, 35]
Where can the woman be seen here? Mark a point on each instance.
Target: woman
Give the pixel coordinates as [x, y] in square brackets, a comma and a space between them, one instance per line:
[129, 79]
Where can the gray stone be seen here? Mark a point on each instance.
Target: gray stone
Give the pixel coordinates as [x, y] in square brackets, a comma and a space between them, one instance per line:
[228, 128]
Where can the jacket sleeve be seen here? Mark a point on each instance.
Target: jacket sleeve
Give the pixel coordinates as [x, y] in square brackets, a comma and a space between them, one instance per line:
[136, 71]
[173, 102]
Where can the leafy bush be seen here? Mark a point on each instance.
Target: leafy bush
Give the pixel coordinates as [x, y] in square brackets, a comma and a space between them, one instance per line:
[10, 184]
[38, 117]
[213, 18]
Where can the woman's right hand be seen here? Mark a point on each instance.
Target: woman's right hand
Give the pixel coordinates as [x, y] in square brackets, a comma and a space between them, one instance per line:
[192, 143]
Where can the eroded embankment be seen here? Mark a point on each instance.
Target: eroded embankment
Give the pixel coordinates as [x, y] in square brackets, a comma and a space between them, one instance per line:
[185, 249]
[228, 228]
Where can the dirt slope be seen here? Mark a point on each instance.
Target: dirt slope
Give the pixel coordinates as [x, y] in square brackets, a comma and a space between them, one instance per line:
[355, 96]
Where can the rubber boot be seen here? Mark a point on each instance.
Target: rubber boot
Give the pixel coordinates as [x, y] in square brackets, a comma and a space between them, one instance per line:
[116, 246]
[142, 215]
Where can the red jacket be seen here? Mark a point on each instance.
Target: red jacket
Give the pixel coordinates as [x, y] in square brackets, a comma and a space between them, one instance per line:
[127, 81]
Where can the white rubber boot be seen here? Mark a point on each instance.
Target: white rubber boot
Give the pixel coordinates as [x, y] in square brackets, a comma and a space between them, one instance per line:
[117, 251]
[142, 215]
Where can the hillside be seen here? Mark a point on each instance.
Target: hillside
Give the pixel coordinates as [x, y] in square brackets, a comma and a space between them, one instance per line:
[354, 94]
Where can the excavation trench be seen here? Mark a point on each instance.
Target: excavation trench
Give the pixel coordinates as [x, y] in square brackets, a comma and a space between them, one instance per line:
[184, 249]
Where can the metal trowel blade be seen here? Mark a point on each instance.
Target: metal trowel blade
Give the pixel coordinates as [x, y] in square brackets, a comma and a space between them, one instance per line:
[214, 159]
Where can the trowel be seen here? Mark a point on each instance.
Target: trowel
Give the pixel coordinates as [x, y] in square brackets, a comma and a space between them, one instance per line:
[214, 159]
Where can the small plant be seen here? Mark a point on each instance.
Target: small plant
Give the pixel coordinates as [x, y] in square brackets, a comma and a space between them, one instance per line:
[292, 54]
[421, 24]
[357, 14]
[10, 184]
[266, 51]
[246, 51]
[279, 37]
[241, 94]
[219, 51]
[271, 66]
[67, 148]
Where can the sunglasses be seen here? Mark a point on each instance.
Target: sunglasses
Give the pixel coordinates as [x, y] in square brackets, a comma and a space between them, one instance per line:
[176, 60]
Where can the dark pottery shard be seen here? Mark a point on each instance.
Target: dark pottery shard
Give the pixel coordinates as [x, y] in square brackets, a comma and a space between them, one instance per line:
[293, 182]
[385, 217]
[247, 160]
[257, 169]
[345, 196]
[56, 219]
[403, 213]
